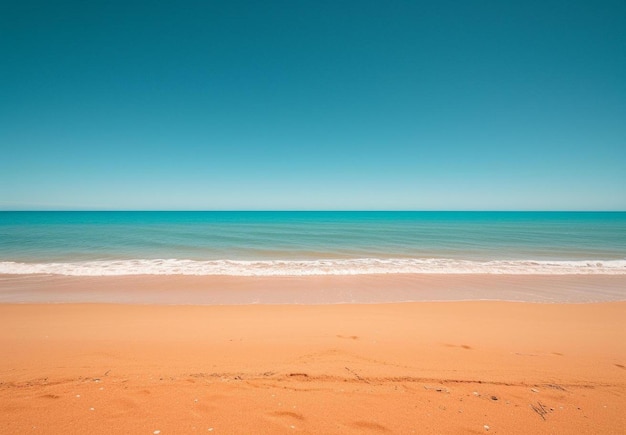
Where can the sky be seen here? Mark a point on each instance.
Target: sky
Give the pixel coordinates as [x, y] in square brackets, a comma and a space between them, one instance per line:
[246, 105]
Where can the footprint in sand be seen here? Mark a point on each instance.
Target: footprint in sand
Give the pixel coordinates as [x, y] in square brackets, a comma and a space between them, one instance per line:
[286, 418]
[369, 426]
[290, 414]
[462, 346]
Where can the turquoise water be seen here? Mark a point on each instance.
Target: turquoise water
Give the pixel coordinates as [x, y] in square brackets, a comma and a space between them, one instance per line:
[311, 243]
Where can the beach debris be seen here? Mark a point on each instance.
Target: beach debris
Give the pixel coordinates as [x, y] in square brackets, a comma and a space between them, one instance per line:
[540, 409]
[476, 393]
[556, 387]
[357, 375]
[78, 395]
[92, 409]
[210, 429]
[437, 388]
[534, 390]
[494, 398]
[298, 375]
[486, 427]
[156, 432]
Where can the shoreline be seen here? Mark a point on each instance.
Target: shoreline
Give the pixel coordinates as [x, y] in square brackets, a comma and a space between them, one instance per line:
[311, 290]
[428, 367]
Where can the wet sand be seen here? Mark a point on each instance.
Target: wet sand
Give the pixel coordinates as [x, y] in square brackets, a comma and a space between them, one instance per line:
[220, 290]
[428, 367]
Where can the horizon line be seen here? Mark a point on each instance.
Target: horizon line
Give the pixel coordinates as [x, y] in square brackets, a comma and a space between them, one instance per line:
[325, 210]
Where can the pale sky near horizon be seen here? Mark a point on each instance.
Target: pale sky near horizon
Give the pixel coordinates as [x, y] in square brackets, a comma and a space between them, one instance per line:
[313, 105]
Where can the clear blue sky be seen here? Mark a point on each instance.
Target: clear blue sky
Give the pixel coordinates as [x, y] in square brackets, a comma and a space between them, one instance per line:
[313, 105]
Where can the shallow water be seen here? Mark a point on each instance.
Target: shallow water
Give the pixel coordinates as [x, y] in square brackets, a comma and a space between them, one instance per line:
[311, 243]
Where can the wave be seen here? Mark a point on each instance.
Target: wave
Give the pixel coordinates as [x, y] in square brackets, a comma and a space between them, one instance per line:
[358, 266]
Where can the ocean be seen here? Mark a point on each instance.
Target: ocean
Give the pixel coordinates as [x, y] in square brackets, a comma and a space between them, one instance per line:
[285, 243]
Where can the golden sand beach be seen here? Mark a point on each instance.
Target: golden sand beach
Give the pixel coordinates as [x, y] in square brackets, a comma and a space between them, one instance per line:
[428, 367]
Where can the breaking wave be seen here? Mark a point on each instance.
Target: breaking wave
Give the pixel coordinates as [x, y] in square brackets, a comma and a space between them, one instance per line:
[358, 266]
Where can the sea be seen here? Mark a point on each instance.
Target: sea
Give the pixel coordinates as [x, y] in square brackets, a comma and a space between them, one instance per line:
[311, 243]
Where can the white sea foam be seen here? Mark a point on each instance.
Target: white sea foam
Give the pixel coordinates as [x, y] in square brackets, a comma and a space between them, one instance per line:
[360, 266]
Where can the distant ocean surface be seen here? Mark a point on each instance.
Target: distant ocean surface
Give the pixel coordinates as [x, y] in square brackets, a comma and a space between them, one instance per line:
[312, 243]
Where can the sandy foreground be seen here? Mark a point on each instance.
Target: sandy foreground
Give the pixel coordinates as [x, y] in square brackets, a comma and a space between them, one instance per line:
[443, 367]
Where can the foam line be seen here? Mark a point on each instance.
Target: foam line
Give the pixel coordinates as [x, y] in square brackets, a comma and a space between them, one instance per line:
[358, 266]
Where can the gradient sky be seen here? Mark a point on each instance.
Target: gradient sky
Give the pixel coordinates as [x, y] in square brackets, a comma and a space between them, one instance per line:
[313, 105]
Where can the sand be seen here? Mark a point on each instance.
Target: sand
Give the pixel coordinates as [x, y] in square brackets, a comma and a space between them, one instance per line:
[383, 288]
[445, 367]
